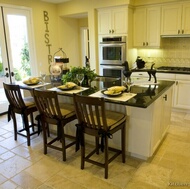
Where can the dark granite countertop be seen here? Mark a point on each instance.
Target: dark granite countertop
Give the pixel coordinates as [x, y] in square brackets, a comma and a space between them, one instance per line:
[173, 70]
[146, 94]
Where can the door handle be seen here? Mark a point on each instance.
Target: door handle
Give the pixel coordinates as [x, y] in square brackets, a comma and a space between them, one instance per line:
[12, 74]
[7, 75]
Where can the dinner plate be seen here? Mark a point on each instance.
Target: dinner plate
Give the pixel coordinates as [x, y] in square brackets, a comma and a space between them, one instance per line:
[66, 88]
[26, 83]
[111, 95]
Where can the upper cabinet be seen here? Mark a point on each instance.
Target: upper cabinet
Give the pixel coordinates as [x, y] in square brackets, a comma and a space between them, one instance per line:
[112, 21]
[147, 27]
[175, 19]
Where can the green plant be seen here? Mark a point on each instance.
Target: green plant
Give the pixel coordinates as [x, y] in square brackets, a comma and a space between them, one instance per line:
[1, 66]
[25, 60]
[71, 75]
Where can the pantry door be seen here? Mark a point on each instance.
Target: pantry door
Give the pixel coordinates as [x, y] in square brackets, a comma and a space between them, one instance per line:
[16, 48]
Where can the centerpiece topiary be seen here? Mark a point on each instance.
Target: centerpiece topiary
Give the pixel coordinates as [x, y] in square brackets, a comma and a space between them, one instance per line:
[70, 76]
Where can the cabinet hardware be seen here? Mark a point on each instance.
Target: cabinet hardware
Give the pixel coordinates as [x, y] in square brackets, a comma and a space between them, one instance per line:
[165, 97]
[109, 31]
[112, 31]
[7, 75]
[12, 74]
[182, 31]
[6, 69]
[176, 82]
[146, 43]
[178, 31]
[143, 43]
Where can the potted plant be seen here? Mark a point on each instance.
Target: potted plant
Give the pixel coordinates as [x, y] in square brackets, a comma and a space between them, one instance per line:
[89, 75]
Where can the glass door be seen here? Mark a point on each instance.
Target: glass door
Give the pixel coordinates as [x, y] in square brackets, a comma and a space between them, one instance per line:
[16, 48]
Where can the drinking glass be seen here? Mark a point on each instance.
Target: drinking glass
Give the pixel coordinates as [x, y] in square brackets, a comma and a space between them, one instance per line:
[80, 78]
[43, 76]
[128, 84]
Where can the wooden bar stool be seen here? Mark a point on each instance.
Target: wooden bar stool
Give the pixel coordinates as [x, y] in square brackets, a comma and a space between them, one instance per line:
[55, 113]
[95, 120]
[24, 107]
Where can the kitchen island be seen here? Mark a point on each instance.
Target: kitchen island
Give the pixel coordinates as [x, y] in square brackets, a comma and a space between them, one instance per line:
[148, 116]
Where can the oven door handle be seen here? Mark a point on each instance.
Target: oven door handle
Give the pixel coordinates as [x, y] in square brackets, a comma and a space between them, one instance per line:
[111, 44]
[113, 67]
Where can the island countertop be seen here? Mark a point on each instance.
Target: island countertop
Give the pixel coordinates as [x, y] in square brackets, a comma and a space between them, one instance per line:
[146, 94]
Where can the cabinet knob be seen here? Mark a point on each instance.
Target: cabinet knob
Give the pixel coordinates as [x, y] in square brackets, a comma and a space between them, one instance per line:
[182, 31]
[146, 43]
[112, 31]
[109, 31]
[143, 43]
[178, 31]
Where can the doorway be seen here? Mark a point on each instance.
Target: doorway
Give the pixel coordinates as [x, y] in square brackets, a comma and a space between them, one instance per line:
[85, 46]
[16, 48]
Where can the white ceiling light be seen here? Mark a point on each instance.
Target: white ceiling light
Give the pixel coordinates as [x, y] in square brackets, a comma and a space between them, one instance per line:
[55, 1]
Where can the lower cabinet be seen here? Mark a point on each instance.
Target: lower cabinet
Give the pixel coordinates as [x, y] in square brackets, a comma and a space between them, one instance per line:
[181, 89]
[182, 92]
[147, 126]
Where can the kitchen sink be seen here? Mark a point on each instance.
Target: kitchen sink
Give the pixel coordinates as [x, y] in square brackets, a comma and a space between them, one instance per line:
[106, 79]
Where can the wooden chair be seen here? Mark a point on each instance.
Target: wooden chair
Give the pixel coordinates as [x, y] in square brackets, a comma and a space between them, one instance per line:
[24, 107]
[98, 122]
[55, 113]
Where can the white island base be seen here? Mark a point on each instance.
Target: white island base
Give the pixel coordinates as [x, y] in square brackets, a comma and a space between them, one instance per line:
[145, 127]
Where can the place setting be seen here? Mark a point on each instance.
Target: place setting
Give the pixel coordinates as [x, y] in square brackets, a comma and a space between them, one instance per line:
[71, 87]
[117, 93]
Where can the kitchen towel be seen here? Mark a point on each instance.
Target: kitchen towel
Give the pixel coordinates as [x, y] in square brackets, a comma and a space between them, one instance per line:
[124, 97]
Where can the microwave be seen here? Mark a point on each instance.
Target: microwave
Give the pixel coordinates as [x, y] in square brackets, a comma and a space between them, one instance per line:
[112, 50]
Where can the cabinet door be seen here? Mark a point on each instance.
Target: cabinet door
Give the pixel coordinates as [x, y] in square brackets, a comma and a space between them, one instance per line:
[166, 112]
[104, 22]
[140, 27]
[182, 95]
[153, 27]
[147, 27]
[171, 19]
[186, 19]
[119, 21]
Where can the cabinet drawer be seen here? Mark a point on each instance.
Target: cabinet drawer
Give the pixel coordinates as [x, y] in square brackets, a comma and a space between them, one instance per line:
[185, 77]
[139, 74]
[167, 76]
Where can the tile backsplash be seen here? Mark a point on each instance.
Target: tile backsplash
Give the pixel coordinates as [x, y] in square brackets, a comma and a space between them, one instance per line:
[172, 52]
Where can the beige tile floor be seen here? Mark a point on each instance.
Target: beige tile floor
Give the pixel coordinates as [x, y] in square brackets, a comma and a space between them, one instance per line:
[24, 167]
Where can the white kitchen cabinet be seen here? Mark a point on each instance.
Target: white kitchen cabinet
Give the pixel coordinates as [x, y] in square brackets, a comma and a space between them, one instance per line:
[175, 19]
[147, 27]
[182, 92]
[112, 21]
[181, 89]
[148, 126]
[162, 109]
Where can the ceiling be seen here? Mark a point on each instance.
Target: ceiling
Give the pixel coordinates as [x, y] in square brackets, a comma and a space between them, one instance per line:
[55, 1]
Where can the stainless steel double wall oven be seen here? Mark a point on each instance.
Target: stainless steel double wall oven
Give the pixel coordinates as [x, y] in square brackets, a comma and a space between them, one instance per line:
[112, 51]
